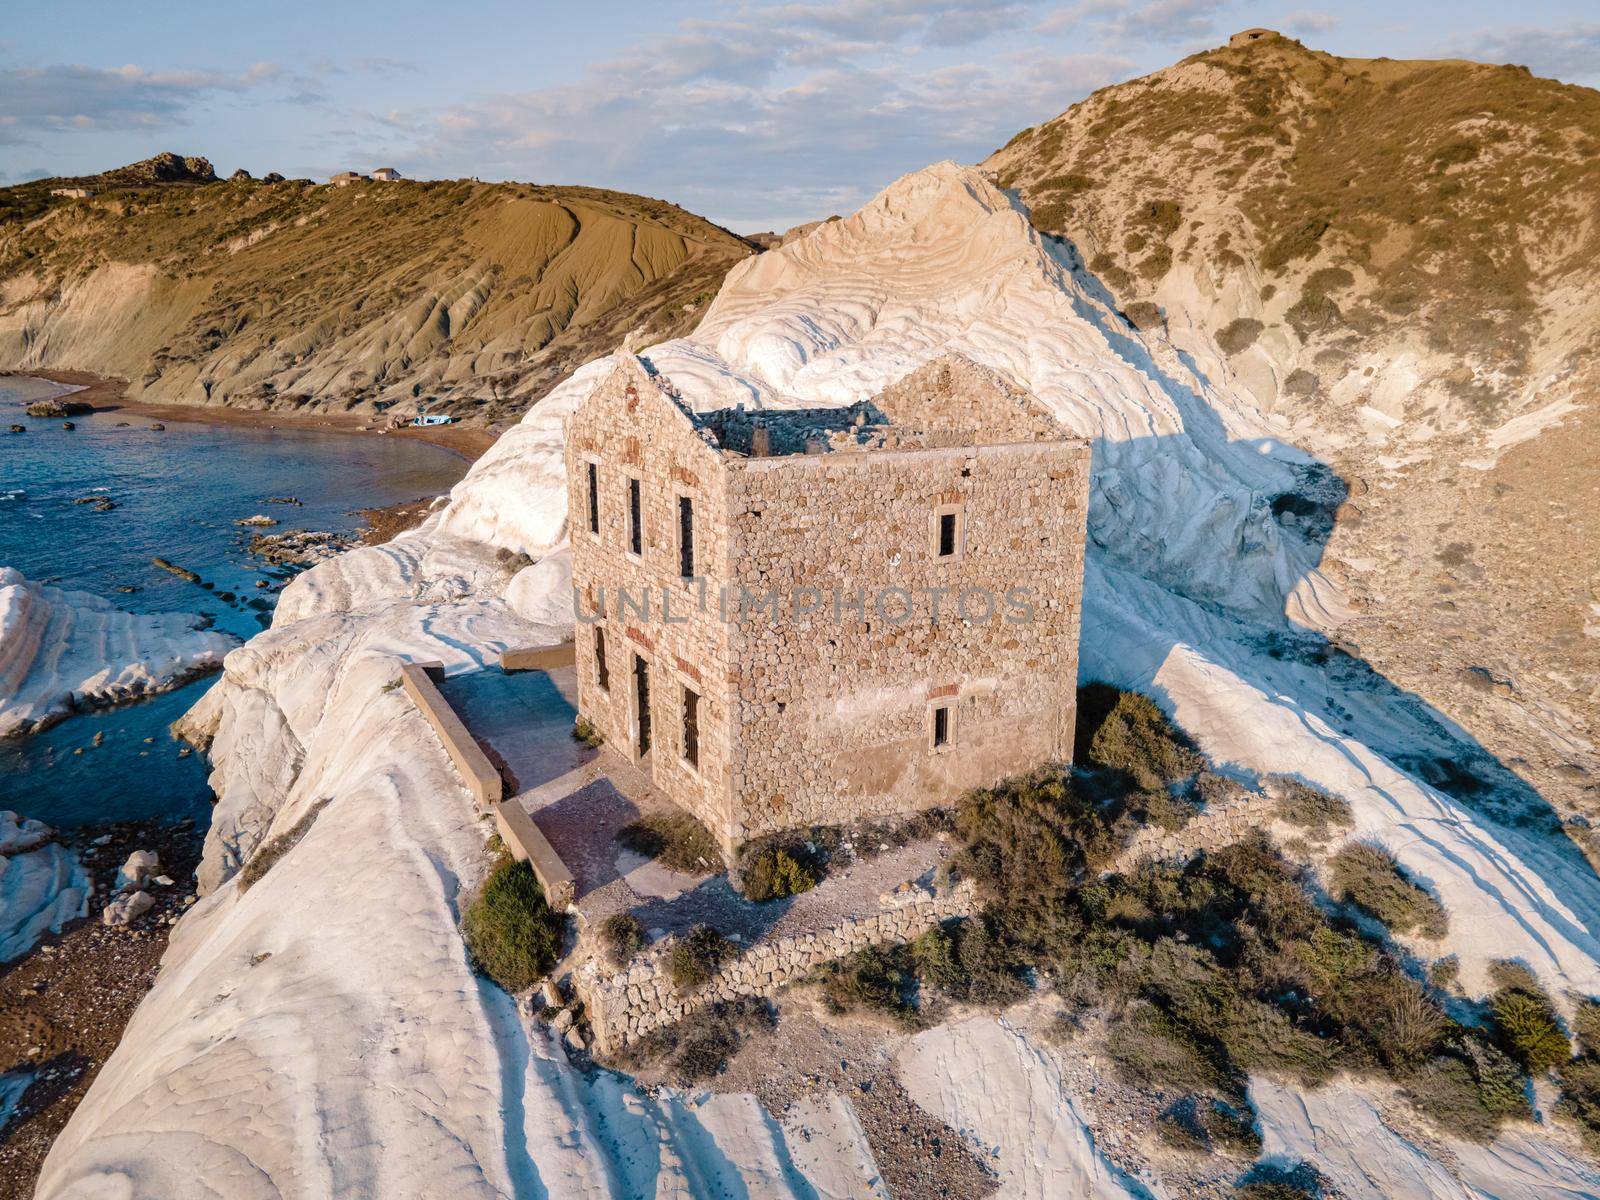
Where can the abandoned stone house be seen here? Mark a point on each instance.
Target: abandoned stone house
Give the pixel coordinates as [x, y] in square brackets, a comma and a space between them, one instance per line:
[799, 617]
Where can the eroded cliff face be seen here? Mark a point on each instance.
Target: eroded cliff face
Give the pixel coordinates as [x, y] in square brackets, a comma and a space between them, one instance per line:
[472, 298]
[1394, 263]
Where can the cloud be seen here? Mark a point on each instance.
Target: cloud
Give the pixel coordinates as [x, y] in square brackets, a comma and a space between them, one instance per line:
[66, 97]
[1570, 52]
[1309, 21]
[773, 126]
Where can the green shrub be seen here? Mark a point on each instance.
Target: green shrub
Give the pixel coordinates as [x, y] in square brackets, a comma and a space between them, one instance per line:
[1309, 807]
[694, 958]
[1369, 877]
[675, 838]
[262, 860]
[1469, 1091]
[1528, 1028]
[622, 937]
[585, 732]
[965, 960]
[1126, 732]
[1586, 1025]
[1150, 1049]
[772, 873]
[1178, 1129]
[511, 933]
[879, 980]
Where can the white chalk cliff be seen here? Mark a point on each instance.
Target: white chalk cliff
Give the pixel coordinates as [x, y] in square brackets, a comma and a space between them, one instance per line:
[62, 648]
[42, 885]
[322, 1033]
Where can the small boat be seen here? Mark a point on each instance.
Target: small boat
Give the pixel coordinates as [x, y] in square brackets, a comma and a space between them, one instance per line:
[422, 419]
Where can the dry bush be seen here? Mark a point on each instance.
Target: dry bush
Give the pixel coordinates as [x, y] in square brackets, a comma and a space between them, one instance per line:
[622, 937]
[676, 839]
[696, 957]
[1311, 808]
[1369, 877]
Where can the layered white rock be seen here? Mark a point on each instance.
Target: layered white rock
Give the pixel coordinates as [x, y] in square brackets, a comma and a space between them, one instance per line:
[59, 649]
[42, 885]
[322, 1032]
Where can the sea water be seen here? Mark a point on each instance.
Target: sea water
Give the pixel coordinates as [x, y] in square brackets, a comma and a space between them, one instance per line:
[178, 493]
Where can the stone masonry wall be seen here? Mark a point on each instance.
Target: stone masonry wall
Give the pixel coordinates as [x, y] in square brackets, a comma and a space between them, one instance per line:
[823, 714]
[633, 430]
[1217, 826]
[626, 1006]
[834, 705]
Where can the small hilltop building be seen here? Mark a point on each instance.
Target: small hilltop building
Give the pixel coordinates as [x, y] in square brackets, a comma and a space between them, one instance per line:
[386, 174]
[798, 617]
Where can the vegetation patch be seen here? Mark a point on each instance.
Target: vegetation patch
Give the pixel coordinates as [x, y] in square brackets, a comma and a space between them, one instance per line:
[695, 957]
[1369, 877]
[775, 872]
[675, 839]
[622, 937]
[1525, 1019]
[262, 860]
[699, 1048]
[1207, 971]
[511, 934]
[874, 979]
[1238, 335]
[1310, 808]
[585, 732]
[1142, 314]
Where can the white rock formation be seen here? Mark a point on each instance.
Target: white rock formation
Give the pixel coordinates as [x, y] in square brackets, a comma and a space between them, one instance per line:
[42, 885]
[61, 648]
[322, 1032]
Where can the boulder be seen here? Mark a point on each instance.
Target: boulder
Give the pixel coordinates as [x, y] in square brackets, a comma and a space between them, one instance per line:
[56, 407]
[129, 908]
[137, 870]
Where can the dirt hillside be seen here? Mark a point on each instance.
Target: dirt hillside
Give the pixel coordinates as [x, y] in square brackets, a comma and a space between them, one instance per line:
[472, 298]
[1397, 260]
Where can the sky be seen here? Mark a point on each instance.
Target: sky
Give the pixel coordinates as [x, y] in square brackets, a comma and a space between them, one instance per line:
[756, 115]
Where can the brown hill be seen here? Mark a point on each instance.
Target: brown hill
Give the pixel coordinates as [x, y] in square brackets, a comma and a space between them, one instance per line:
[475, 298]
[1321, 217]
[1397, 261]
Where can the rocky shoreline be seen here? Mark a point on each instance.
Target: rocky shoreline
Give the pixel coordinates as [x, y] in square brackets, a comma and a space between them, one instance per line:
[64, 1005]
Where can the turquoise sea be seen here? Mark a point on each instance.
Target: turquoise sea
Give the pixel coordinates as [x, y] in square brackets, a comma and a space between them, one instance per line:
[177, 493]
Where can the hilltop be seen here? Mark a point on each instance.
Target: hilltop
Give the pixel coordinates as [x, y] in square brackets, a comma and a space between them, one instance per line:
[473, 298]
[1395, 262]
[1414, 235]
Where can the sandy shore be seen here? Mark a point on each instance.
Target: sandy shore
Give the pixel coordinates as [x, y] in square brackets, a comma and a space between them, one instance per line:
[110, 395]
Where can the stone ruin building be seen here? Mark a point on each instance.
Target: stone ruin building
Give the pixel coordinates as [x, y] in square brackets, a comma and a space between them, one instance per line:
[798, 617]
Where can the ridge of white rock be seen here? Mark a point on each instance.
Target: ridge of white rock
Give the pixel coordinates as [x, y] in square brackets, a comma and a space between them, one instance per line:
[62, 648]
[42, 885]
[321, 1032]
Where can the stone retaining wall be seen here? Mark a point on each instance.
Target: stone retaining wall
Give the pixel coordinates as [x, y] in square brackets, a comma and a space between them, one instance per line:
[515, 827]
[1219, 825]
[477, 772]
[630, 1004]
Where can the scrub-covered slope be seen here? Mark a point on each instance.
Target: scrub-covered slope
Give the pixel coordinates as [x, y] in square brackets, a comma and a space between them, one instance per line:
[473, 297]
[321, 1031]
[1396, 261]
